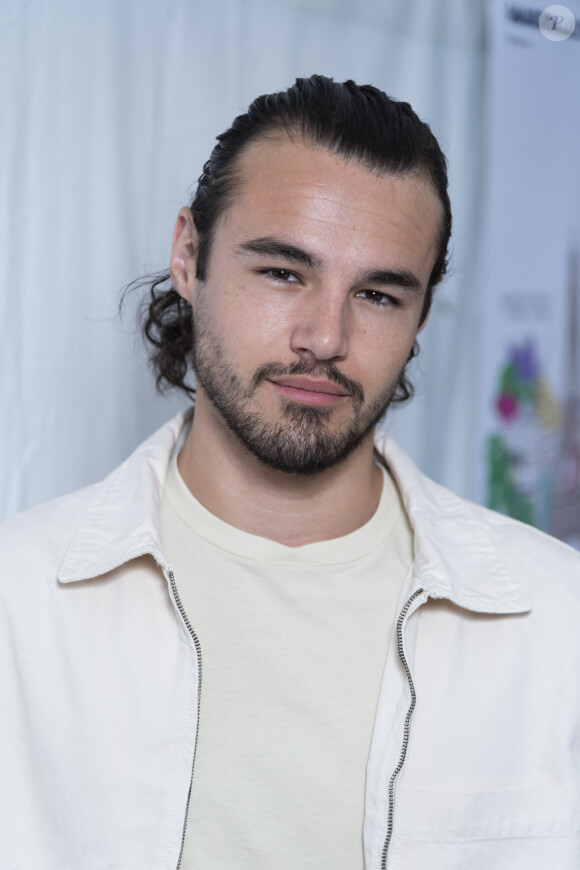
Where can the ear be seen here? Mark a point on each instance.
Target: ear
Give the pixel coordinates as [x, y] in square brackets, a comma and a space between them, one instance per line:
[425, 322]
[182, 264]
[427, 297]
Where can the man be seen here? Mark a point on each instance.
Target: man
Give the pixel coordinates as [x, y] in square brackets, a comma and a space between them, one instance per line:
[389, 672]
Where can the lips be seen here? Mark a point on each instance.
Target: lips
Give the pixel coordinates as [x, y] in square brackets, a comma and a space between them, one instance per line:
[310, 385]
[314, 392]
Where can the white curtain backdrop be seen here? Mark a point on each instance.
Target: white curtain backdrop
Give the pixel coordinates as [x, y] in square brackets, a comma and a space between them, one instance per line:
[108, 109]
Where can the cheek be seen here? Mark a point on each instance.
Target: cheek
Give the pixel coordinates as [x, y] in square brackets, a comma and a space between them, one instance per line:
[382, 353]
[251, 330]
[263, 321]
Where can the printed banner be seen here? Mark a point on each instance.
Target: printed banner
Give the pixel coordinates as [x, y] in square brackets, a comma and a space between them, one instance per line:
[529, 432]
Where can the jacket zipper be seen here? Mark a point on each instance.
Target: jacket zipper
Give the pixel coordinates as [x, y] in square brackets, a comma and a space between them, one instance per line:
[406, 729]
[195, 639]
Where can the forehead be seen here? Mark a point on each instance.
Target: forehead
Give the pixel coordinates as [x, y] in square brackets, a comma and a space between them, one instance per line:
[308, 194]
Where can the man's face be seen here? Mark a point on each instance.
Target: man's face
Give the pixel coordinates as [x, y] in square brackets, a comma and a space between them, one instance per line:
[311, 303]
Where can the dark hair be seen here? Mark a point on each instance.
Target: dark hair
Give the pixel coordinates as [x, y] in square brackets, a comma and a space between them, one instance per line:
[360, 123]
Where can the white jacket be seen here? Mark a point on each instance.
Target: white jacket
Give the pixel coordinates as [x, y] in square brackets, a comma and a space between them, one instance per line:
[475, 757]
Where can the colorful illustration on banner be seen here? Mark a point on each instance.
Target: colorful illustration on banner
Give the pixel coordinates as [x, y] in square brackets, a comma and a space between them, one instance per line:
[523, 449]
[533, 451]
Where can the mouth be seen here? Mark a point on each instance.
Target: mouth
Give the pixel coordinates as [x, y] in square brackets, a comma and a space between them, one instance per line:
[309, 391]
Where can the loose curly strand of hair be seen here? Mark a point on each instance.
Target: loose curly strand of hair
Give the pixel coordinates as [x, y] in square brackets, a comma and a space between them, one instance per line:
[166, 322]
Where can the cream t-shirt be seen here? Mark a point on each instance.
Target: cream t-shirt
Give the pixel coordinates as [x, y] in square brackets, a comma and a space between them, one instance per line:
[293, 643]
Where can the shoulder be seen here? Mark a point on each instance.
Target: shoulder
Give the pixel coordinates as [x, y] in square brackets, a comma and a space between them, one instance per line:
[540, 561]
[47, 517]
[480, 549]
[546, 569]
[52, 519]
[102, 523]
[35, 542]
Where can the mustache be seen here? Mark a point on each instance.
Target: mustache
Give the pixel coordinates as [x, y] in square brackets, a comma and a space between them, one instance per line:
[304, 367]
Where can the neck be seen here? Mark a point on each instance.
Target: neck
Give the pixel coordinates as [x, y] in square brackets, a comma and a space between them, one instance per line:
[292, 509]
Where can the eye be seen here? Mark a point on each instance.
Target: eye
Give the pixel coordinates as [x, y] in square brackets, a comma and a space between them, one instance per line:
[376, 297]
[281, 276]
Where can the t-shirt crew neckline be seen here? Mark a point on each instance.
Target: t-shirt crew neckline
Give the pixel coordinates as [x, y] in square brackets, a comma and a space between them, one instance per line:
[348, 548]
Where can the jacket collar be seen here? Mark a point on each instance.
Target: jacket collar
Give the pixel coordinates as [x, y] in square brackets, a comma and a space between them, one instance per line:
[454, 554]
[121, 520]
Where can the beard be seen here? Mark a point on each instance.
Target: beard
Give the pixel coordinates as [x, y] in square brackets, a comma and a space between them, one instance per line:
[302, 442]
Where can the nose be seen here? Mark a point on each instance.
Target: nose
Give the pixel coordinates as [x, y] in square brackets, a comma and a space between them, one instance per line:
[321, 327]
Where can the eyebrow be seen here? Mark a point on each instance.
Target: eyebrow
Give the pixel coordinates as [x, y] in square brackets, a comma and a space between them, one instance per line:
[392, 278]
[269, 246]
